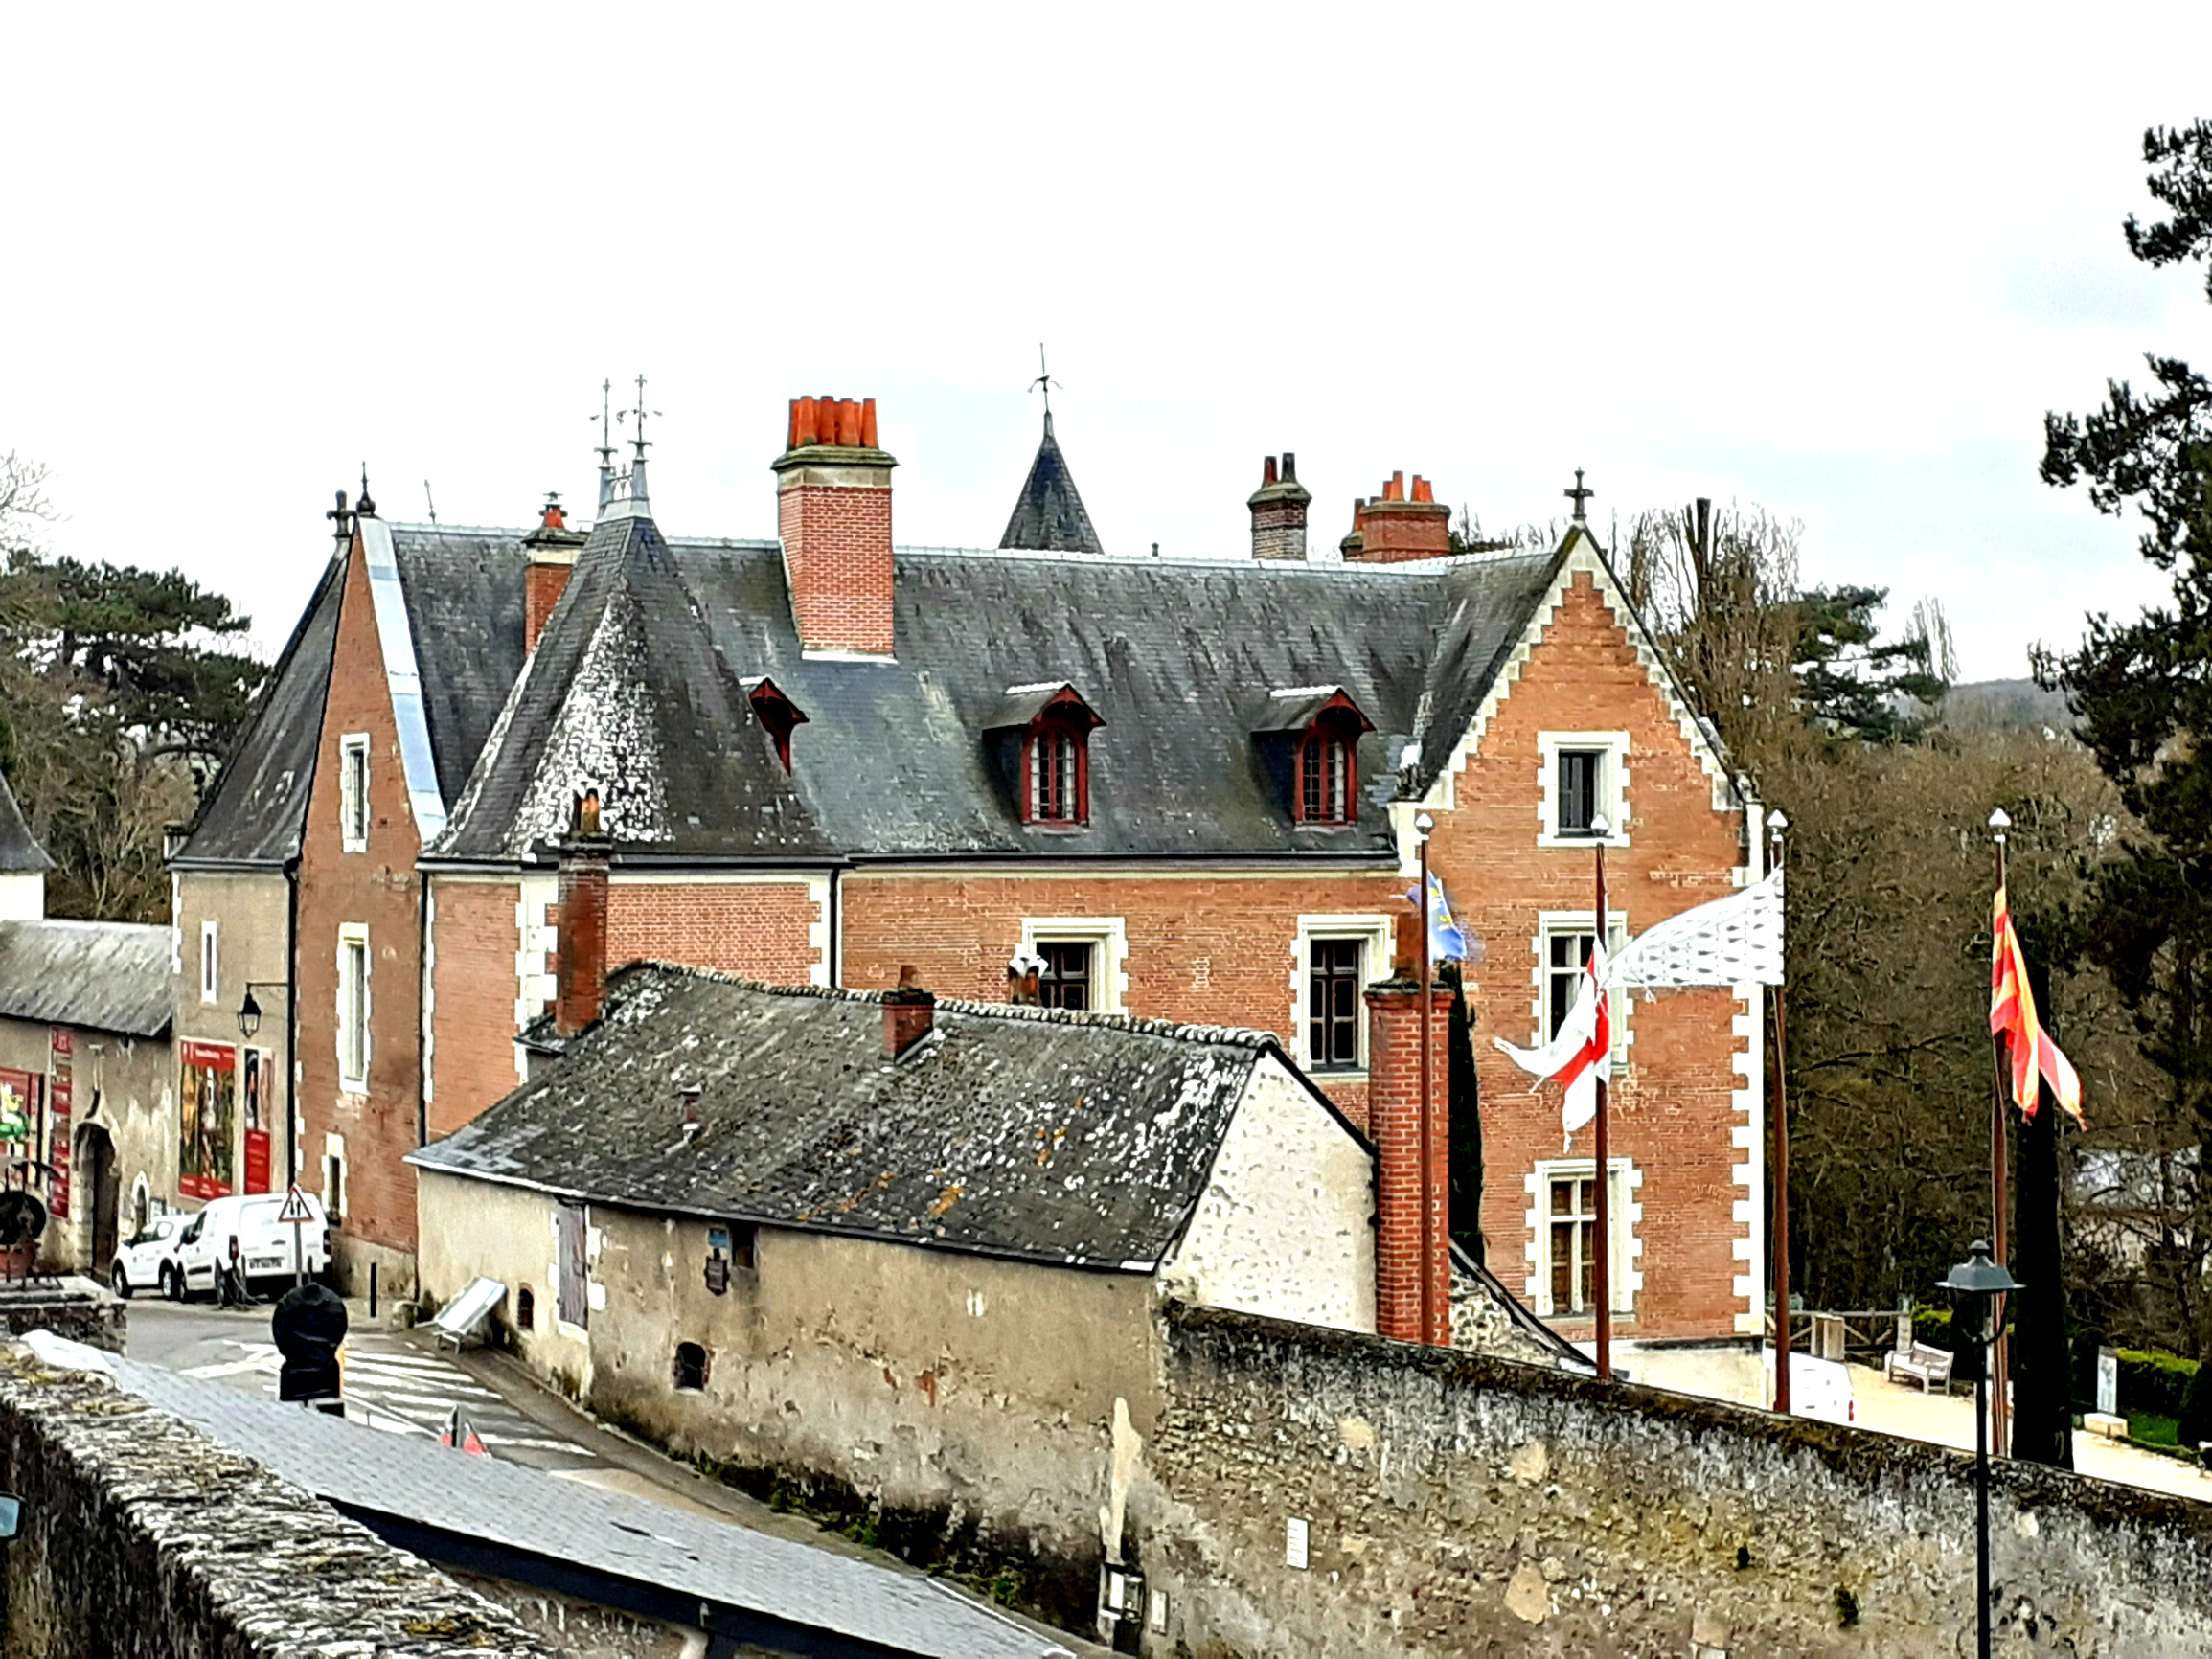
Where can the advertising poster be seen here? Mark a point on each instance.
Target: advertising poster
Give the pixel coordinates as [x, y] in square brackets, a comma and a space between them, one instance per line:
[60, 1094]
[256, 1088]
[18, 1105]
[207, 1104]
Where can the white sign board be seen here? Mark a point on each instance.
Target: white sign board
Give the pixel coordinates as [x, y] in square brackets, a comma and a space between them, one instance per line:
[1295, 1553]
[2107, 1382]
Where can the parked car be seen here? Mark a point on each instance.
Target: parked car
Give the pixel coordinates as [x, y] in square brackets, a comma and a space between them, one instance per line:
[264, 1242]
[148, 1258]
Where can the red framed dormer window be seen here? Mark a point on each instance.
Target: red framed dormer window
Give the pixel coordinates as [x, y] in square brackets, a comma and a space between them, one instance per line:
[1056, 763]
[778, 714]
[1328, 777]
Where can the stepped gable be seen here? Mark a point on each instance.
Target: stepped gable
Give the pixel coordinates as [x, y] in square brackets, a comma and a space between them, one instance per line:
[629, 694]
[1176, 658]
[1049, 515]
[1082, 1139]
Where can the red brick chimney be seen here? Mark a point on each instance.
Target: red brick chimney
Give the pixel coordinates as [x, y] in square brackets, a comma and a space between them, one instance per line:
[579, 965]
[1405, 1192]
[833, 511]
[1399, 525]
[1279, 511]
[551, 548]
[909, 1013]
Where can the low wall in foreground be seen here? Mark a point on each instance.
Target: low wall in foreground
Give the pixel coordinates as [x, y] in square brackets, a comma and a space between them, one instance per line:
[1450, 1503]
[141, 1540]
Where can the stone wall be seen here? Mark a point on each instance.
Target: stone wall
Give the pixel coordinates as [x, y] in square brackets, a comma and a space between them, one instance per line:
[78, 1309]
[1457, 1505]
[141, 1540]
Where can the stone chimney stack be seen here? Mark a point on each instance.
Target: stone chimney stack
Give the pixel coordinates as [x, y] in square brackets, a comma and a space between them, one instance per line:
[1279, 511]
[579, 965]
[834, 513]
[909, 1013]
[551, 548]
[1400, 524]
[1409, 1192]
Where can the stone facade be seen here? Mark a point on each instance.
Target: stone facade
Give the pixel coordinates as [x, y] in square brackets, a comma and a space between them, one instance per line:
[1447, 1504]
[250, 913]
[143, 1539]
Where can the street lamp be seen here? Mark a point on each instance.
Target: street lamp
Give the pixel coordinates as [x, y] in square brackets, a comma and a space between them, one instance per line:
[1973, 1285]
[250, 1009]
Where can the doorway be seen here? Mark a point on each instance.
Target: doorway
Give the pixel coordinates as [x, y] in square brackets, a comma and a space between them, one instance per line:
[96, 1160]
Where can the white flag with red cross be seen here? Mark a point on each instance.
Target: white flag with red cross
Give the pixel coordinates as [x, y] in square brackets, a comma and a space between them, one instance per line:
[1581, 1051]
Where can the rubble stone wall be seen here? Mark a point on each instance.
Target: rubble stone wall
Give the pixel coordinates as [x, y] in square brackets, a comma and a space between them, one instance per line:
[141, 1540]
[76, 1308]
[1451, 1504]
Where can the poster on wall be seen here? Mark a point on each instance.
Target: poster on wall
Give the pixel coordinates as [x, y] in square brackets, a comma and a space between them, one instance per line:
[19, 1104]
[59, 1096]
[255, 1091]
[207, 1104]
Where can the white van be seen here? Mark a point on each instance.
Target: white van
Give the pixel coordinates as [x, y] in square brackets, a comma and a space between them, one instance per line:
[1818, 1388]
[264, 1243]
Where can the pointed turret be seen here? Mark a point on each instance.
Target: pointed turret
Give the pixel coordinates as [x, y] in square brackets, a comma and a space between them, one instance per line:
[23, 863]
[1050, 516]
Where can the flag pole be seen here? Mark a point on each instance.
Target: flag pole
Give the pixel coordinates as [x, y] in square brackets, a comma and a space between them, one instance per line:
[1422, 827]
[1780, 1242]
[1997, 1354]
[1603, 1265]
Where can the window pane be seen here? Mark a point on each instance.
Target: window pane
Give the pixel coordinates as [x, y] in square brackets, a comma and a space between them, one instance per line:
[1588, 1249]
[1578, 789]
[1563, 1197]
[1065, 982]
[1333, 1002]
[1562, 1268]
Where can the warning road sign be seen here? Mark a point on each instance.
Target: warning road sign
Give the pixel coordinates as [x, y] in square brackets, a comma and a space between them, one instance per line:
[295, 1210]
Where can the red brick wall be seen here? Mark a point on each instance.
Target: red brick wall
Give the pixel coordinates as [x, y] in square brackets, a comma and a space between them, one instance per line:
[542, 585]
[379, 887]
[757, 929]
[838, 554]
[473, 987]
[1410, 1190]
[1216, 950]
[1672, 1109]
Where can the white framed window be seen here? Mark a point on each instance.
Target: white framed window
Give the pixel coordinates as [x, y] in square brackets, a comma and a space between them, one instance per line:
[353, 1007]
[1085, 961]
[1563, 1237]
[1336, 958]
[210, 964]
[354, 791]
[1562, 945]
[1582, 777]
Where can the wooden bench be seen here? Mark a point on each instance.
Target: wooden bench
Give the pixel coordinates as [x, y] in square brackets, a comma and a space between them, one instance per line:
[1930, 1367]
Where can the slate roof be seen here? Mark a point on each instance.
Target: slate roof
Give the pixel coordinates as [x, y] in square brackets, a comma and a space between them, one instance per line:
[100, 975]
[463, 593]
[379, 1478]
[637, 690]
[19, 850]
[257, 809]
[1065, 1138]
[1049, 515]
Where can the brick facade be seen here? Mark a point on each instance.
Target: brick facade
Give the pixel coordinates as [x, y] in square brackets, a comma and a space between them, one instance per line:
[377, 890]
[475, 988]
[833, 514]
[1412, 1269]
[762, 930]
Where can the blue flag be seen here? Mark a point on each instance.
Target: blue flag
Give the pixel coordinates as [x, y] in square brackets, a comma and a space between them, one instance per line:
[1447, 940]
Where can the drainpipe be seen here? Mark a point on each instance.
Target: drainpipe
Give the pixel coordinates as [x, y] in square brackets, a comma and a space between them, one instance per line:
[833, 951]
[291, 1020]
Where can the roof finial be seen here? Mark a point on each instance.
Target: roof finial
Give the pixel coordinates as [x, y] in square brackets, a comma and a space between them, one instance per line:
[341, 522]
[366, 508]
[1578, 496]
[605, 443]
[637, 436]
[1044, 382]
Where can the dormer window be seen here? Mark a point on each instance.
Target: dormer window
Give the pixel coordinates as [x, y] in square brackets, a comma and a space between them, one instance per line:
[778, 714]
[1041, 733]
[1327, 766]
[1312, 735]
[1056, 764]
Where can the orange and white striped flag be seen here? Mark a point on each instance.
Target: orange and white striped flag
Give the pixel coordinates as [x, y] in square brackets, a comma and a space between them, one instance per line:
[2012, 1015]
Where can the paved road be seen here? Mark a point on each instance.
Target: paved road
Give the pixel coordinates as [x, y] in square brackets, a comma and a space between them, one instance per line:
[392, 1383]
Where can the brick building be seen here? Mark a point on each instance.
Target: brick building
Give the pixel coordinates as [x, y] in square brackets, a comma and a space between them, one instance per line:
[1182, 788]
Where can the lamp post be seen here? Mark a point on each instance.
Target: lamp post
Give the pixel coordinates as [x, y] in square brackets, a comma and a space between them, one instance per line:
[250, 1009]
[1776, 824]
[1975, 1283]
[1422, 828]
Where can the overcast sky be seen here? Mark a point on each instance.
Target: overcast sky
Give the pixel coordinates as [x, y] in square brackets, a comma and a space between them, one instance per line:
[1837, 268]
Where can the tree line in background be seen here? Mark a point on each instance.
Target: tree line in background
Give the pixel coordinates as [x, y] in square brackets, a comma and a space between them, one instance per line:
[120, 693]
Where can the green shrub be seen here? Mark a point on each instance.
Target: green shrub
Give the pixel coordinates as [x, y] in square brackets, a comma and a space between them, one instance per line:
[2154, 1382]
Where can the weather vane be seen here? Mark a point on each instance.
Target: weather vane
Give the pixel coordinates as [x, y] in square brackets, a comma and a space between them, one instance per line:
[1044, 382]
[605, 444]
[637, 437]
[366, 508]
[1578, 494]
